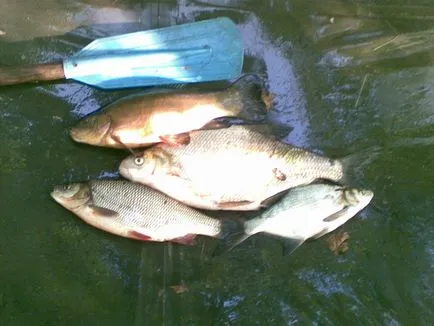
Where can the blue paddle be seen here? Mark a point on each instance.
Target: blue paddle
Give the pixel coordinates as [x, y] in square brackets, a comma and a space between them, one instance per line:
[208, 50]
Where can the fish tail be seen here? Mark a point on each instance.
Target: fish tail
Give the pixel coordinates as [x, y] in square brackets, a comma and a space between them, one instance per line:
[232, 234]
[253, 97]
[354, 165]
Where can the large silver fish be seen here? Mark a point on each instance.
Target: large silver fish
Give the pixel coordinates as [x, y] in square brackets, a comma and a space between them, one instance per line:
[307, 212]
[235, 168]
[136, 211]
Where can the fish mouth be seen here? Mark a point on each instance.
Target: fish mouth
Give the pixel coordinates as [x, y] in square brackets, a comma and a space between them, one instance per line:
[53, 195]
[125, 169]
[56, 195]
[76, 134]
[71, 201]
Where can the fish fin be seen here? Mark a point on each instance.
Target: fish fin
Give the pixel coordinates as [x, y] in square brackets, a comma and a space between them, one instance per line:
[232, 233]
[273, 199]
[139, 236]
[231, 227]
[270, 129]
[118, 140]
[187, 239]
[255, 99]
[103, 211]
[176, 140]
[336, 215]
[279, 174]
[355, 164]
[215, 124]
[280, 131]
[327, 182]
[229, 243]
[233, 204]
[319, 234]
[290, 245]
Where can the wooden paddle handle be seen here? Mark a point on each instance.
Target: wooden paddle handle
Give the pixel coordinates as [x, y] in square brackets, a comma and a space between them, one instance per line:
[19, 75]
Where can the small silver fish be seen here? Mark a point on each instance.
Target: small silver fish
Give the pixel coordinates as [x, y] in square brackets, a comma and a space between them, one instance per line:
[136, 211]
[307, 212]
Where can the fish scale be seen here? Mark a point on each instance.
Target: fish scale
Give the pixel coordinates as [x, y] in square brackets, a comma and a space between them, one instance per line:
[126, 198]
[306, 212]
[141, 206]
[256, 145]
[234, 168]
[142, 119]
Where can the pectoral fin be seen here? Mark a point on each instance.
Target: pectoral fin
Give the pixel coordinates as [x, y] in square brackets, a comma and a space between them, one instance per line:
[176, 140]
[337, 215]
[188, 239]
[290, 245]
[139, 236]
[104, 212]
[117, 139]
[233, 204]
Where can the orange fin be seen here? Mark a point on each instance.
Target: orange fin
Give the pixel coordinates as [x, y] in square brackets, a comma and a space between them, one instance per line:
[176, 140]
[187, 239]
[233, 204]
[279, 174]
[103, 211]
[139, 236]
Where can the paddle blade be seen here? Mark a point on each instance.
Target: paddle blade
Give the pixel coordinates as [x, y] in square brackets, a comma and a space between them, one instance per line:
[208, 50]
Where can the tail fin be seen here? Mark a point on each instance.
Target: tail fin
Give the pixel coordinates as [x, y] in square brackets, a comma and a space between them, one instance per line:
[355, 164]
[253, 96]
[232, 234]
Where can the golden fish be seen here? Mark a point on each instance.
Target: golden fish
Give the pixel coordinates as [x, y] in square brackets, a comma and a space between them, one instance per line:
[144, 119]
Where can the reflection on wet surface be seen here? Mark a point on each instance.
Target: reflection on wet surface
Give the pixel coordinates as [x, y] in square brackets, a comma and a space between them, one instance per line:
[344, 76]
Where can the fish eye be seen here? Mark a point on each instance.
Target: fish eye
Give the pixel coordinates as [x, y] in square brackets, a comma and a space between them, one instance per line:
[138, 161]
[67, 187]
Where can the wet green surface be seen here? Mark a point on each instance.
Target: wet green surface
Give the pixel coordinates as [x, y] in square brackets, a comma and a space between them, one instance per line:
[345, 77]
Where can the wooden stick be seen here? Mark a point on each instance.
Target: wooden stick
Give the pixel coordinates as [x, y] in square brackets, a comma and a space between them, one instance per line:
[19, 75]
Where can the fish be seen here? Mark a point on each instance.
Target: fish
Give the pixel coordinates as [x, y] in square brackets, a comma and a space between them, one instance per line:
[143, 119]
[304, 213]
[235, 168]
[135, 211]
